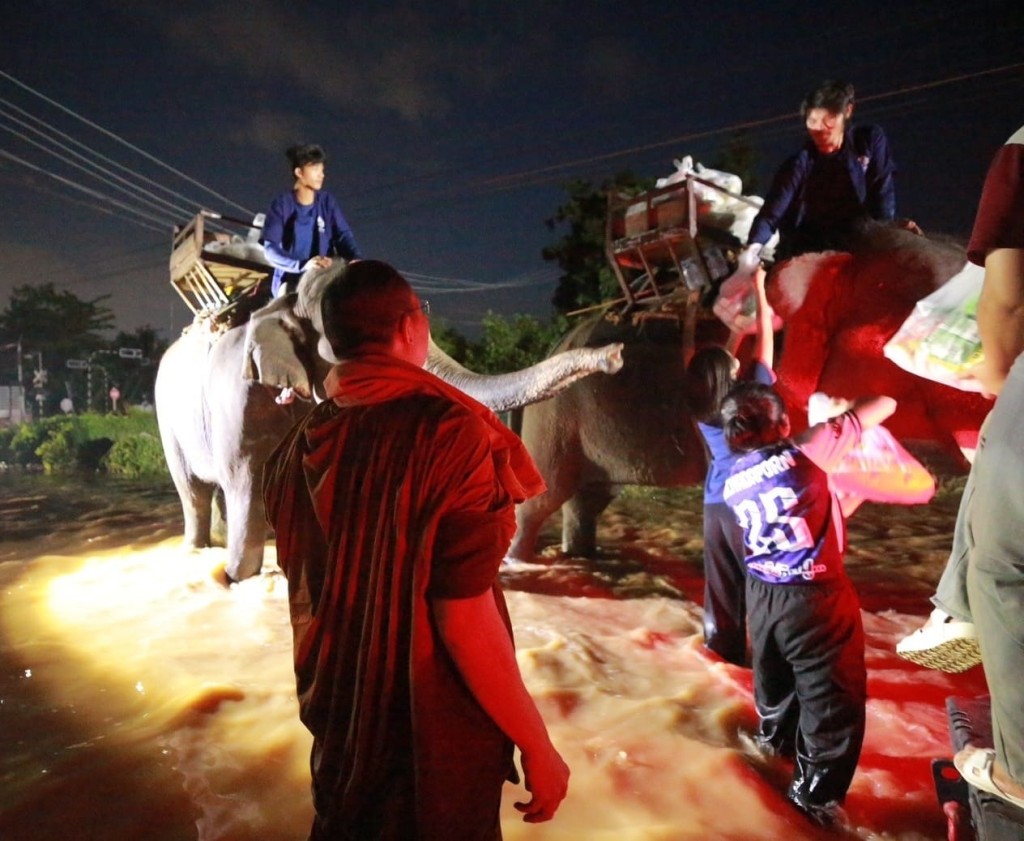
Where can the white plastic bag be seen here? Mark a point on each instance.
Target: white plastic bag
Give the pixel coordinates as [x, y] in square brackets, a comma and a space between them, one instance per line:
[939, 340]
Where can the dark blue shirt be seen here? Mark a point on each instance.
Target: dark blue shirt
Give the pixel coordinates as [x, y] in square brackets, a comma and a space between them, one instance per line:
[854, 183]
[284, 239]
[720, 457]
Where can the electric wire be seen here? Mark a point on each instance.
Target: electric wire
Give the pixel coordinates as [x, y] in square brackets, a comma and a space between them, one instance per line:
[124, 142]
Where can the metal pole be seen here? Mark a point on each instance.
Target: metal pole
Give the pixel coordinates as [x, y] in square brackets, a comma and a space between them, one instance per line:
[21, 375]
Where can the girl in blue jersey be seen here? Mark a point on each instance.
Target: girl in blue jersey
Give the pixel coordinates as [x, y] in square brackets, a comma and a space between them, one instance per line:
[712, 373]
[805, 626]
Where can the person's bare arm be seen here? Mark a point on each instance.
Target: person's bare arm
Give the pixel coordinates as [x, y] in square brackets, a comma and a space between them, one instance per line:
[826, 444]
[764, 346]
[475, 635]
[1001, 315]
[871, 411]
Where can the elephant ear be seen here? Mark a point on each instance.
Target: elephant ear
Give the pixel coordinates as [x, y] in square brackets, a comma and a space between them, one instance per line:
[272, 339]
[307, 305]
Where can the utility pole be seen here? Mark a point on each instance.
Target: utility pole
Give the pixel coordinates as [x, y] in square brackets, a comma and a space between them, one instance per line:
[21, 375]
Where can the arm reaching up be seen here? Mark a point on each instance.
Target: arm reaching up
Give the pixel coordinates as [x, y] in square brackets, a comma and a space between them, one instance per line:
[764, 347]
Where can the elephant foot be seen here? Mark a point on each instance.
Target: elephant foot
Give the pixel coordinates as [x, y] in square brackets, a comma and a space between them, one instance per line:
[220, 576]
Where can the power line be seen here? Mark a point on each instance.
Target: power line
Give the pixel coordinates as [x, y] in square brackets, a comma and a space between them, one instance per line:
[87, 190]
[58, 133]
[93, 170]
[120, 140]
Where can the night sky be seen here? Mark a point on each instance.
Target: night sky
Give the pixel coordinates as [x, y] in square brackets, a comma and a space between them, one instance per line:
[452, 126]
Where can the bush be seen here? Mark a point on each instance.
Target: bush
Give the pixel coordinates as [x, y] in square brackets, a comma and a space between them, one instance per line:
[30, 436]
[128, 445]
[59, 452]
[6, 436]
[135, 455]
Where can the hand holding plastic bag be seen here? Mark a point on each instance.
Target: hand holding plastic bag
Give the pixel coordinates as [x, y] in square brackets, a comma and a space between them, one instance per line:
[878, 469]
[939, 340]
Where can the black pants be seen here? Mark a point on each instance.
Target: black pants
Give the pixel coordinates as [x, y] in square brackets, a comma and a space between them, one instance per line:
[725, 602]
[810, 683]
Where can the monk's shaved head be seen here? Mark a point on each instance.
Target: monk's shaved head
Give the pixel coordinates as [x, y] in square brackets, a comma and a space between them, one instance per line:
[363, 306]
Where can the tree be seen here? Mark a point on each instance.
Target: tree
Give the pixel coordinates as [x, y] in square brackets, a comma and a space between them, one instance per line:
[587, 278]
[511, 344]
[54, 325]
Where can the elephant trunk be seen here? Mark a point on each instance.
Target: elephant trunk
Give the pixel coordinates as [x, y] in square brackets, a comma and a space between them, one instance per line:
[501, 392]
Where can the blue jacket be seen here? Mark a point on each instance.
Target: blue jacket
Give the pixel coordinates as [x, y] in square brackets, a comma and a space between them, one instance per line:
[331, 235]
[865, 151]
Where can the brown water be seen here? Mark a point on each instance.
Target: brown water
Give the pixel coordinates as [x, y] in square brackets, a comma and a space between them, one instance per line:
[138, 699]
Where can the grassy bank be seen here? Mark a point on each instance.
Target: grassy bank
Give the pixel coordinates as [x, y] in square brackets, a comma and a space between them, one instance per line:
[121, 445]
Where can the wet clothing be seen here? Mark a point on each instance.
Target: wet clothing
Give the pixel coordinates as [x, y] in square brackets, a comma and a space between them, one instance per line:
[816, 201]
[295, 233]
[725, 608]
[995, 509]
[810, 682]
[398, 491]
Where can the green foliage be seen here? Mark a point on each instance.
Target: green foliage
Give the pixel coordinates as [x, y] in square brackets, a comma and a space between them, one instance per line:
[59, 452]
[511, 344]
[135, 455]
[28, 438]
[587, 279]
[54, 323]
[6, 436]
[450, 340]
[128, 445]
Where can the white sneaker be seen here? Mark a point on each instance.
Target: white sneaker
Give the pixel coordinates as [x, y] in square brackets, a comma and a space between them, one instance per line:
[942, 643]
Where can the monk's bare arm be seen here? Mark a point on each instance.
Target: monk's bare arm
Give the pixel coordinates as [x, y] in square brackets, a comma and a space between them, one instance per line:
[479, 643]
[1001, 315]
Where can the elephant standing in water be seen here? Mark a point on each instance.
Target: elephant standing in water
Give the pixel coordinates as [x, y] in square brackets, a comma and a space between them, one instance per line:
[223, 404]
[838, 308]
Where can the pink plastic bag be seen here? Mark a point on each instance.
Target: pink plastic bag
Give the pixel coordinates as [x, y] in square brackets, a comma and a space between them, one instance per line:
[878, 469]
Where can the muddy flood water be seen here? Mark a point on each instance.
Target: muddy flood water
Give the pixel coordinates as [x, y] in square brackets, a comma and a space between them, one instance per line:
[140, 700]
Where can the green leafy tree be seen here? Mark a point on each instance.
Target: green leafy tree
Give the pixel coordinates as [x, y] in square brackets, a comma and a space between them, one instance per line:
[450, 340]
[512, 343]
[53, 325]
[586, 279]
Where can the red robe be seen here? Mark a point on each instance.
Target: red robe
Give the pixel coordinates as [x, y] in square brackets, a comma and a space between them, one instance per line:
[398, 491]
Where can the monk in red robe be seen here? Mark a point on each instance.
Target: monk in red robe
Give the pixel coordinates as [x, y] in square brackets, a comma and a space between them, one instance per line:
[393, 507]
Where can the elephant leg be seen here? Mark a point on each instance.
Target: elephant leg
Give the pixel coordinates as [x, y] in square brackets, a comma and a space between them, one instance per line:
[247, 524]
[579, 519]
[196, 498]
[530, 518]
[219, 521]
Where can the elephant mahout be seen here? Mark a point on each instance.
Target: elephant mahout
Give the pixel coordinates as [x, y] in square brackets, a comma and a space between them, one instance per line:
[838, 311]
[224, 399]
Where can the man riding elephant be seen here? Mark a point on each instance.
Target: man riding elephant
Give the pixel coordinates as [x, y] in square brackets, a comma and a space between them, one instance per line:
[841, 177]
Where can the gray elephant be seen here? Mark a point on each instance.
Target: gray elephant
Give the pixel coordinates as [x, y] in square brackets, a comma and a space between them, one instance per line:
[839, 309]
[632, 429]
[224, 399]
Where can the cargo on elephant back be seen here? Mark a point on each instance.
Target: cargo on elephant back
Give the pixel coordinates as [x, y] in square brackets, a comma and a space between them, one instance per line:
[837, 311]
